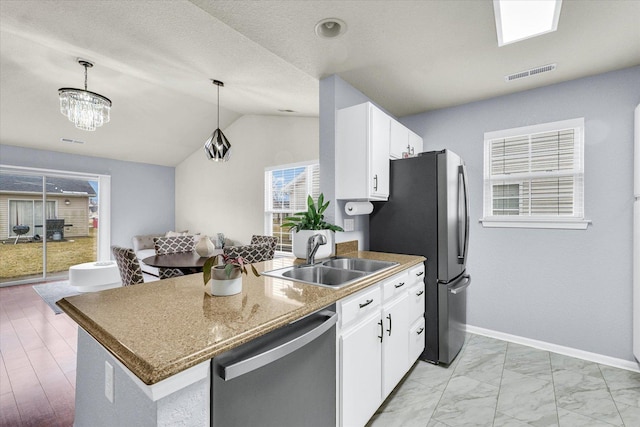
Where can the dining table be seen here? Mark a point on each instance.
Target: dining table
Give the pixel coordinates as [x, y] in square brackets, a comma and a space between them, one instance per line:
[187, 262]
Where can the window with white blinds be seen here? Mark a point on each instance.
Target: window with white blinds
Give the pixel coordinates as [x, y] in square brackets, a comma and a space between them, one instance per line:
[285, 192]
[534, 176]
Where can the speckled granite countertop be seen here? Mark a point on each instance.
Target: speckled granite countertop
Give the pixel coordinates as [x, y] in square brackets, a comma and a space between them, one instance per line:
[161, 328]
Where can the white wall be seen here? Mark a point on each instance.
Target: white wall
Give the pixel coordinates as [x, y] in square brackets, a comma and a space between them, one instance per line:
[229, 197]
[567, 287]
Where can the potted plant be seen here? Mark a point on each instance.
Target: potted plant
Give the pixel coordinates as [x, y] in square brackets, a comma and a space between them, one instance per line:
[306, 224]
[225, 276]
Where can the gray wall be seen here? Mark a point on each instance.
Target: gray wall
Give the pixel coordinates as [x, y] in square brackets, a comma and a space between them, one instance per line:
[567, 287]
[142, 195]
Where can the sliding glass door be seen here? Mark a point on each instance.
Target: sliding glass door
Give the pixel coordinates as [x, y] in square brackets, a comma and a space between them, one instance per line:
[48, 222]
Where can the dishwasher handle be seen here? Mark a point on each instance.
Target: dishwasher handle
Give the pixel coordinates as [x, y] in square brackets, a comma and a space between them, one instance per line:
[294, 341]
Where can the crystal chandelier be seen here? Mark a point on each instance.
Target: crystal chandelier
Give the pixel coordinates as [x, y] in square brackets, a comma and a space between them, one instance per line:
[87, 110]
[217, 147]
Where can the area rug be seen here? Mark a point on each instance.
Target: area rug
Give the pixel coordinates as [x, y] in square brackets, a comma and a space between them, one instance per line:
[54, 291]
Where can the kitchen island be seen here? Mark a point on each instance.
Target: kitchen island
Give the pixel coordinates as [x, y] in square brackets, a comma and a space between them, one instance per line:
[144, 351]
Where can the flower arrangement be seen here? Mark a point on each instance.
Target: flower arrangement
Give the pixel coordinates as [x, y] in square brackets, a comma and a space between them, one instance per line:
[232, 266]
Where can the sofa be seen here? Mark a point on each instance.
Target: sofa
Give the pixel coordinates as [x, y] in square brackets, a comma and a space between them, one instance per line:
[143, 246]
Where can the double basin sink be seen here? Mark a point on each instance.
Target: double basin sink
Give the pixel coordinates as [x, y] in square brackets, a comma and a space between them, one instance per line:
[332, 273]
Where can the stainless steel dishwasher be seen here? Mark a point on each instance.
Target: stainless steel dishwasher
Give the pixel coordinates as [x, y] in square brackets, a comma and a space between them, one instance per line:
[286, 378]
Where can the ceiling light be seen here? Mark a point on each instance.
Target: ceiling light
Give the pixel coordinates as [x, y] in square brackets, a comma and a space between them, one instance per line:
[518, 20]
[330, 28]
[217, 147]
[87, 110]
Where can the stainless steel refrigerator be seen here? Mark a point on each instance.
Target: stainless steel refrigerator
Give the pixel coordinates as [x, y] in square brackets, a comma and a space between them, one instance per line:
[428, 214]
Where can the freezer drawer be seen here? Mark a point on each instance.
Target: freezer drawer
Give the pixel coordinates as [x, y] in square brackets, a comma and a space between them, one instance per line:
[452, 317]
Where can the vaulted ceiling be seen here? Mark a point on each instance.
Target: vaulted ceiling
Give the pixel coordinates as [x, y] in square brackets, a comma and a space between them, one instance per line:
[155, 59]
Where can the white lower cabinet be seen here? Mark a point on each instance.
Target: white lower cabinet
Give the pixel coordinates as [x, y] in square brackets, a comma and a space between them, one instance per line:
[395, 342]
[379, 342]
[360, 371]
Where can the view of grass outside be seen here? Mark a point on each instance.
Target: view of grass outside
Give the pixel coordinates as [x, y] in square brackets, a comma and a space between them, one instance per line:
[25, 258]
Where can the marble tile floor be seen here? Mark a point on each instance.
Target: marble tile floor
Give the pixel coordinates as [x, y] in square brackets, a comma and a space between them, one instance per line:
[497, 383]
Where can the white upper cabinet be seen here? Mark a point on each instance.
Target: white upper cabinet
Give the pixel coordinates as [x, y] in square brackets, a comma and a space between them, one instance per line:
[403, 141]
[362, 153]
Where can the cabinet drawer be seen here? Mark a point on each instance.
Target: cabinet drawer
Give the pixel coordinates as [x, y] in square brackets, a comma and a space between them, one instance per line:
[359, 305]
[416, 301]
[416, 274]
[416, 340]
[395, 285]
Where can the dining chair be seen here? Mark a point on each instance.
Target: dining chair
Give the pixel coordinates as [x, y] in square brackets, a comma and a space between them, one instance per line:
[261, 248]
[130, 271]
[172, 245]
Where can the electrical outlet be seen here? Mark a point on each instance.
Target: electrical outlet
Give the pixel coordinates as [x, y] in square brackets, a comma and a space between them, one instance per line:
[108, 381]
[349, 224]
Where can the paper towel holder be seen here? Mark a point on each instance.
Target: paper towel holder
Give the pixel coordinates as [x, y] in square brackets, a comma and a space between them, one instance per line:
[358, 208]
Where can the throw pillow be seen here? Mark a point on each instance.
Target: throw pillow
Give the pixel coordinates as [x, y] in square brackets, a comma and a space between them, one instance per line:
[176, 233]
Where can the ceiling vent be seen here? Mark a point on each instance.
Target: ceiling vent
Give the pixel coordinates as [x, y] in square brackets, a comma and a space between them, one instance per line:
[71, 141]
[529, 73]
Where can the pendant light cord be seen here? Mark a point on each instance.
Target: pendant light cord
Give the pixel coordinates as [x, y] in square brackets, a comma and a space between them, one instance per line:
[85, 77]
[218, 106]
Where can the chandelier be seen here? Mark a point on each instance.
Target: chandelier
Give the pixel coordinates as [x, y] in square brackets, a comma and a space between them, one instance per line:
[87, 110]
[217, 147]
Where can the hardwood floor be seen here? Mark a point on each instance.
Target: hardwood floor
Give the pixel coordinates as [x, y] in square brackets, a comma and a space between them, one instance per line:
[37, 361]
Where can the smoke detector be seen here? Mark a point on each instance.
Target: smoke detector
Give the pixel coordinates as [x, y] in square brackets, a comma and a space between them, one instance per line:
[330, 28]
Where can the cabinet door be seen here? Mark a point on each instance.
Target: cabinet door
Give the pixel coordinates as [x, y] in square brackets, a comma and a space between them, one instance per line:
[379, 135]
[416, 340]
[398, 140]
[395, 343]
[415, 142]
[360, 372]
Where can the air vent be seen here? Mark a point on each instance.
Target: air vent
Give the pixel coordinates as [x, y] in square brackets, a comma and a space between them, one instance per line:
[71, 141]
[529, 73]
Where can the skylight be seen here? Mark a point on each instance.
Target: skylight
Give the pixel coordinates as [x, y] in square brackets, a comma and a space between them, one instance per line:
[518, 20]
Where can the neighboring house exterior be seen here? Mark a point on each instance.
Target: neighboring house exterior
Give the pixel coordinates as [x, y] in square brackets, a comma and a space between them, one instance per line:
[66, 199]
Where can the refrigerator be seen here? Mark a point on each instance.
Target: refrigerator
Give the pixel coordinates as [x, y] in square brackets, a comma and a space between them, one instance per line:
[428, 214]
[636, 236]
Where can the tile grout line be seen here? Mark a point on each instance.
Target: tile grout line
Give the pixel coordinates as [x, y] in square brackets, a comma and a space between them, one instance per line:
[553, 385]
[504, 362]
[611, 395]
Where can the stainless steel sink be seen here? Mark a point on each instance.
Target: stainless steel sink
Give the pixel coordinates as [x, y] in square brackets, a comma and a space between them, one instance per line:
[333, 273]
[323, 275]
[359, 264]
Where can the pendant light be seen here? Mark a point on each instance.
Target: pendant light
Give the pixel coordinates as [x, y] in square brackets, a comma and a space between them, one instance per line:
[217, 147]
[87, 110]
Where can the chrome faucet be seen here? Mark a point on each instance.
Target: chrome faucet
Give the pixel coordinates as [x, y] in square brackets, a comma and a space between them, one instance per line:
[313, 244]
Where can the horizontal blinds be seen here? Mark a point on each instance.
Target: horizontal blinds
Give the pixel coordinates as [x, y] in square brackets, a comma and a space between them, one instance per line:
[535, 175]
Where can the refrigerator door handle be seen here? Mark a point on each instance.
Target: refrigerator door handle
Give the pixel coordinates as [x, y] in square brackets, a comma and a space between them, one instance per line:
[456, 290]
[463, 240]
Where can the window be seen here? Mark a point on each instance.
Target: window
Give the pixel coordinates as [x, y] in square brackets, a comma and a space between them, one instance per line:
[29, 213]
[286, 190]
[534, 176]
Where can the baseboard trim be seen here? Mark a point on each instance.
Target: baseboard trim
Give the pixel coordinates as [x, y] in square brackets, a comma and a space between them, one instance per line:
[567, 351]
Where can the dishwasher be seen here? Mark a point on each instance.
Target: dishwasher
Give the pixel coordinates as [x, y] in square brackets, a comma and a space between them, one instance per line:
[286, 378]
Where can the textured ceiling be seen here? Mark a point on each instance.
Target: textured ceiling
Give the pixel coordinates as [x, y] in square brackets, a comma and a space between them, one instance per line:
[154, 60]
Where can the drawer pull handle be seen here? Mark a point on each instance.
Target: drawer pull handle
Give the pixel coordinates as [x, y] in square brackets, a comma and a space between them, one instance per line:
[421, 330]
[381, 330]
[364, 304]
[399, 285]
[420, 293]
[420, 273]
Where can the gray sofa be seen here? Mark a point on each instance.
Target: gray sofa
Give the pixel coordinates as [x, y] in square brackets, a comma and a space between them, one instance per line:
[143, 247]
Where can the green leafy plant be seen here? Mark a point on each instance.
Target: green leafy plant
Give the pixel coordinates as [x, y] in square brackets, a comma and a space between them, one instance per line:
[312, 218]
[229, 263]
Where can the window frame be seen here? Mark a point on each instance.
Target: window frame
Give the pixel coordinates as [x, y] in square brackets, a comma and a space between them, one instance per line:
[576, 220]
[268, 209]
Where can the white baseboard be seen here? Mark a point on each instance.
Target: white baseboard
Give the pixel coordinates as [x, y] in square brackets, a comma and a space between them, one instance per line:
[567, 351]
